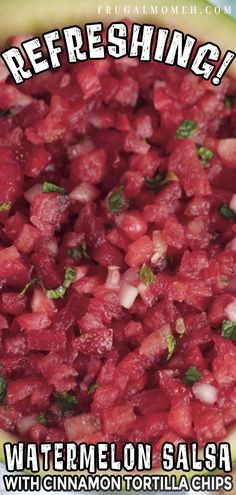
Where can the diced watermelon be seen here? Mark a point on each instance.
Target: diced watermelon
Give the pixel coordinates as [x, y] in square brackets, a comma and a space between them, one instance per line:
[118, 419]
[78, 427]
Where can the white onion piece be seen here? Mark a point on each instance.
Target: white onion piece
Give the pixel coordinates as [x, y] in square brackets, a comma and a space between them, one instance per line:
[205, 392]
[180, 326]
[226, 149]
[160, 246]
[230, 311]
[232, 203]
[159, 84]
[50, 167]
[196, 226]
[101, 122]
[25, 423]
[131, 276]
[125, 63]
[84, 193]
[232, 245]
[79, 149]
[65, 80]
[127, 295]
[81, 272]
[52, 246]
[40, 303]
[142, 288]
[32, 192]
[113, 278]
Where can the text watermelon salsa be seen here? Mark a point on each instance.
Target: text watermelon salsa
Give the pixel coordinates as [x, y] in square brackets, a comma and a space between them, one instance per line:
[118, 255]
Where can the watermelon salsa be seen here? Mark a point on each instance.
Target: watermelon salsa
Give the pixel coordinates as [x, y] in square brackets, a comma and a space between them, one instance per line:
[118, 255]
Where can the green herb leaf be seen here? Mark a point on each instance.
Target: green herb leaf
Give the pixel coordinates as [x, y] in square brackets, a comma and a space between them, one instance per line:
[223, 280]
[49, 187]
[32, 282]
[186, 129]
[92, 388]
[191, 376]
[170, 177]
[146, 275]
[5, 206]
[116, 200]
[56, 293]
[43, 418]
[228, 330]
[160, 180]
[172, 344]
[74, 252]
[229, 101]
[205, 155]
[225, 211]
[66, 401]
[155, 183]
[70, 275]
[3, 388]
[78, 252]
[60, 291]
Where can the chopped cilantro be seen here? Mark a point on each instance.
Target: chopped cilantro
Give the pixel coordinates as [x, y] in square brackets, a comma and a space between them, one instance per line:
[160, 180]
[66, 401]
[49, 187]
[60, 291]
[229, 101]
[171, 177]
[146, 275]
[92, 388]
[69, 277]
[186, 128]
[43, 418]
[191, 376]
[228, 330]
[3, 388]
[78, 251]
[116, 200]
[5, 206]
[30, 283]
[171, 343]
[156, 181]
[223, 280]
[225, 211]
[205, 155]
[56, 293]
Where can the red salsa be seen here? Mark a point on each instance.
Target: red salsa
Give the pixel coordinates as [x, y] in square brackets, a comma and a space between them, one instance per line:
[118, 255]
